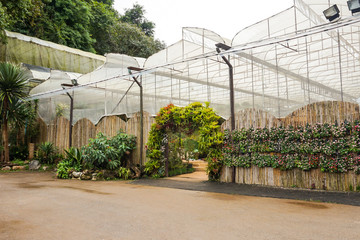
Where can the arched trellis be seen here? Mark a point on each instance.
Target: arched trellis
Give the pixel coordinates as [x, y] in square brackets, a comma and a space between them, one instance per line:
[194, 117]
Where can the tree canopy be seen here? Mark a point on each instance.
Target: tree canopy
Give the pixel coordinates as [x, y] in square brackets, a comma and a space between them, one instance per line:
[136, 15]
[90, 25]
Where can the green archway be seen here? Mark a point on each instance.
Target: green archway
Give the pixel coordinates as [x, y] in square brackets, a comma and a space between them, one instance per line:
[187, 120]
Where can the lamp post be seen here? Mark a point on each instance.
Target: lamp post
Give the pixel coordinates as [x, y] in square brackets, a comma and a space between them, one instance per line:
[232, 97]
[64, 85]
[130, 69]
[231, 84]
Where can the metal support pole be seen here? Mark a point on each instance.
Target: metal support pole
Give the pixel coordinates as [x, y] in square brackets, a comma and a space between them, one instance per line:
[166, 158]
[340, 66]
[141, 112]
[71, 119]
[232, 100]
[231, 86]
[71, 112]
[141, 122]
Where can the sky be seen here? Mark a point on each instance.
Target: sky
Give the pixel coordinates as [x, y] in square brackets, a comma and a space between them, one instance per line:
[226, 17]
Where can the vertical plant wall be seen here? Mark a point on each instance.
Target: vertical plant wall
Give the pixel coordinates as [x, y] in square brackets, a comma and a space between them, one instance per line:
[332, 148]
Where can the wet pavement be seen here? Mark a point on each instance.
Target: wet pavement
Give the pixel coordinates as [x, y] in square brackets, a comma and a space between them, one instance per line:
[38, 206]
[197, 182]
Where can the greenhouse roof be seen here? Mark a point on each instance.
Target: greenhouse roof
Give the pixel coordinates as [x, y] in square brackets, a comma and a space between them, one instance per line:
[280, 64]
[30, 50]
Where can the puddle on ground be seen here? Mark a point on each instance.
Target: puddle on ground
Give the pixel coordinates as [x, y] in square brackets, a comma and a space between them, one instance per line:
[11, 226]
[220, 196]
[29, 185]
[309, 205]
[83, 190]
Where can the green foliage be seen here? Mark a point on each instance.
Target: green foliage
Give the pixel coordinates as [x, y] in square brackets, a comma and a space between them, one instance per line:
[60, 109]
[12, 89]
[19, 152]
[152, 167]
[64, 169]
[104, 153]
[136, 16]
[3, 23]
[194, 118]
[46, 153]
[129, 39]
[18, 162]
[124, 173]
[23, 122]
[332, 148]
[179, 171]
[12, 84]
[102, 21]
[87, 25]
[75, 157]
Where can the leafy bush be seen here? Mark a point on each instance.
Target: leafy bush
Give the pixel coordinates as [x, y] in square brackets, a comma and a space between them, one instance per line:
[124, 173]
[75, 157]
[64, 169]
[104, 153]
[152, 167]
[19, 152]
[47, 153]
[18, 162]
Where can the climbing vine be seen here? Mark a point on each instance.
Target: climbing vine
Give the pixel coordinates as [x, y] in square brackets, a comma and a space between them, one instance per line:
[188, 120]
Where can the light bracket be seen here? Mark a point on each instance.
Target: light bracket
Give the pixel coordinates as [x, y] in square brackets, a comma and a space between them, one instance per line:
[332, 13]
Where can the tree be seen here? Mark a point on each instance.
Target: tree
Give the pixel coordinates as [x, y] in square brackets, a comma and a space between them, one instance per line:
[67, 22]
[3, 24]
[12, 88]
[129, 39]
[88, 25]
[136, 15]
[101, 22]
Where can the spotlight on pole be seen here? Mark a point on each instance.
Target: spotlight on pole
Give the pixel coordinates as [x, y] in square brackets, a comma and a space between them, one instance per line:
[354, 6]
[332, 13]
[74, 82]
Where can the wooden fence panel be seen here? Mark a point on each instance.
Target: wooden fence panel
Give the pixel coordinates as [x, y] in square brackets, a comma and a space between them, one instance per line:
[83, 130]
[58, 133]
[323, 112]
[110, 125]
[313, 178]
[256, 118]
[43, 131]
[133, 127]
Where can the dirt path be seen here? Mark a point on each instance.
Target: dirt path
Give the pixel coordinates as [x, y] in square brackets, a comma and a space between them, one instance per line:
[37, 206]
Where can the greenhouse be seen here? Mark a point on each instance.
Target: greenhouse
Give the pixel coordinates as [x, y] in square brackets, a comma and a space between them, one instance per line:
[280, 64]
[295, 73]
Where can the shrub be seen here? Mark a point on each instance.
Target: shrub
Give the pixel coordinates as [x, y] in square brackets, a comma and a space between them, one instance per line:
[75, 157]
[124, 173]
[19, 152]
[46, 153]
[64, 169]
[152, 167]
[104, 153]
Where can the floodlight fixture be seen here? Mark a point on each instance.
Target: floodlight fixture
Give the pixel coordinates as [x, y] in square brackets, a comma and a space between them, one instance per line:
[74, 82]
[354, 6]
[222, 46]
[332, 13]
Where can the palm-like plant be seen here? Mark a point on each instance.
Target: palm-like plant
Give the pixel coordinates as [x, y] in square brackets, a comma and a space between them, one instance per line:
[12, 88]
